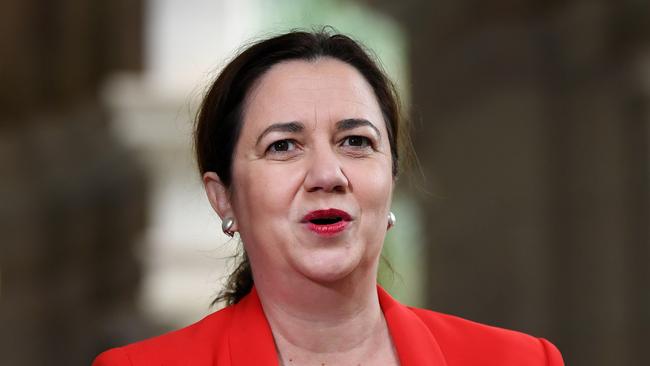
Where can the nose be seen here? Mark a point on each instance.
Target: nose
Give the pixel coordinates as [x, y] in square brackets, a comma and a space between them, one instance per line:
[325, 172]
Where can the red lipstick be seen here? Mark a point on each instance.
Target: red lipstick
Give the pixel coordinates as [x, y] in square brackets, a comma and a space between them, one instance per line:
[327, 222]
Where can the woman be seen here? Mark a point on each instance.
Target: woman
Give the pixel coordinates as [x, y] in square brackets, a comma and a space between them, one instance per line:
[297, 142]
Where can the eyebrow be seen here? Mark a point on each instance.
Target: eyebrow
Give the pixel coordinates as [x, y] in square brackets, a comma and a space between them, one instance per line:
[295, 127]
[281, 127]
[351, 123]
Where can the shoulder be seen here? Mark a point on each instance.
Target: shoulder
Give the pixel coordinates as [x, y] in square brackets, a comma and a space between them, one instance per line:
[190, 345]
[466, 342]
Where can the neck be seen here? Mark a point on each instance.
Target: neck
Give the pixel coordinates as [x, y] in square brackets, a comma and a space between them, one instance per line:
[333, 321]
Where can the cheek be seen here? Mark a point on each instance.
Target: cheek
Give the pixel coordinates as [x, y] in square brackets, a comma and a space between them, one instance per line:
[264, 192]
[372, 184]
[373, 192]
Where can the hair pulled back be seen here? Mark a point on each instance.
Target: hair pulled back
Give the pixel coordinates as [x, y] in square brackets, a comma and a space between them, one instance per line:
[219, 119]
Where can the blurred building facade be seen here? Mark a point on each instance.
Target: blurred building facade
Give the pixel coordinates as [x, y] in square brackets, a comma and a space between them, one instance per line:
[73, 198]
[184, 255]
[531, 129]
[533, 134]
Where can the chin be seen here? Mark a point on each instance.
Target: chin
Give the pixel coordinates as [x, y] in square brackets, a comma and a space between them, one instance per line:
[329, 267]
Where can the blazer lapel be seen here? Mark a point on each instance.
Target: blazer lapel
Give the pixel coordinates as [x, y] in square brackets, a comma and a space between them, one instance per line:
[251, 340]
[414, 342]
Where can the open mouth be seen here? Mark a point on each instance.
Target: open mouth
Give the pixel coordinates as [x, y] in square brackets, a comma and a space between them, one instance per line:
[326, 217]
[327, 222]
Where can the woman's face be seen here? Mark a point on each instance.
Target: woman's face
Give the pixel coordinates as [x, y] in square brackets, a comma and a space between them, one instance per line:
[312, 180]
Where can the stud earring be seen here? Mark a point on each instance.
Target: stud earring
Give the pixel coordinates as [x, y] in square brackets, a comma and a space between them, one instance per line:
[226, 226]
[391, 219]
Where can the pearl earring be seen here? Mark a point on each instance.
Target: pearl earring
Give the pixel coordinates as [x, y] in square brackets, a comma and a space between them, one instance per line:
[391, 219]
[226, 226]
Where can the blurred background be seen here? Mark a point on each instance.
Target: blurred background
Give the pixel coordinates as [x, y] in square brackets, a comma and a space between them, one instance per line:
[529, 208]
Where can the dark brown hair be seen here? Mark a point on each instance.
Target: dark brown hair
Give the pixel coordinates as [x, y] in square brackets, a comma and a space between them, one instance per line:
[219, 119]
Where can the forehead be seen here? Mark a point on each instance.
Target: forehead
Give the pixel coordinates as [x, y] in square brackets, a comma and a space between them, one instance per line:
[301, 90]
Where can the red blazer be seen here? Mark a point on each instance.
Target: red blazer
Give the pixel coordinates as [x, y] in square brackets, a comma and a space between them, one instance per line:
[239, 335]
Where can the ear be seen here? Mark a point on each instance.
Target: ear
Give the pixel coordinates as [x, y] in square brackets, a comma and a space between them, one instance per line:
[219, 196]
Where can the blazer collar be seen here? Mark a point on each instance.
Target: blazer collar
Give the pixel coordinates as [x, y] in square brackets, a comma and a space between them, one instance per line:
[251, 341]
[414, 342]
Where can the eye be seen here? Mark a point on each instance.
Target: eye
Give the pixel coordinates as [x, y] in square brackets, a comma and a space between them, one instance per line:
[356, 142]
[281, 146]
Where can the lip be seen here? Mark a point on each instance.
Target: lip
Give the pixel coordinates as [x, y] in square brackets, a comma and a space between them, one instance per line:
[340, 220]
